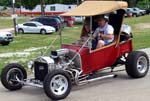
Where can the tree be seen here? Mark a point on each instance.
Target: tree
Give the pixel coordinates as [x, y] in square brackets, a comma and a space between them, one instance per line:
[29, 4]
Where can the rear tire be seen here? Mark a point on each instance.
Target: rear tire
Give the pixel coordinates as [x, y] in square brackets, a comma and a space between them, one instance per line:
[137, 64]
[57, 84]
[9, 74]
[20, 31]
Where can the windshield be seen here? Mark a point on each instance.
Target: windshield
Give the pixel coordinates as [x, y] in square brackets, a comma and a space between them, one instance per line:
[39, 24]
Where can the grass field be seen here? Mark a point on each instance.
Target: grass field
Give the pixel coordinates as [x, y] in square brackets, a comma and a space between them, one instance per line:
[7, 22]
[29, 41]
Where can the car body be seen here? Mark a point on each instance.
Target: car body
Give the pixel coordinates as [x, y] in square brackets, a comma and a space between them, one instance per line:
[78, 64]
[142, 12]
[69, 21]
[78, 19]
[6, 38]
[49, 21]
[135, 13]
[34, 27]
[59, 19]
[148, 11]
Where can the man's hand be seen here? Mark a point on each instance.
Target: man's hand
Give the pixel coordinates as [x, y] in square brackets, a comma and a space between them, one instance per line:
[99, 34]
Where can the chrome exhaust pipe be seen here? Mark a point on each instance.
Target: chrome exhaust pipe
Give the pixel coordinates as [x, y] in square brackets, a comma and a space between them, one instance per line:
[28, 83]
[96, 79]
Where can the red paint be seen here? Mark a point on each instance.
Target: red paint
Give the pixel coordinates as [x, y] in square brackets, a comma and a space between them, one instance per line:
[102, 58]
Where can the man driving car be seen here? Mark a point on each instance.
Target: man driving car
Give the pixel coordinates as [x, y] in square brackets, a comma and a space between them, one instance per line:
[104, 33]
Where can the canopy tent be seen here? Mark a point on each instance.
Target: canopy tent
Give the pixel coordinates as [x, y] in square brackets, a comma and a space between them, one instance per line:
[91, 8]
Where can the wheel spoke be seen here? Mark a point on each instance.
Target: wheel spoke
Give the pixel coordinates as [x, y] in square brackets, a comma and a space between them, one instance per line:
[59, 84]
[142, 64]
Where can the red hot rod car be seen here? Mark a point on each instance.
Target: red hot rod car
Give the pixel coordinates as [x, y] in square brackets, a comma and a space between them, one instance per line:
[77, 63]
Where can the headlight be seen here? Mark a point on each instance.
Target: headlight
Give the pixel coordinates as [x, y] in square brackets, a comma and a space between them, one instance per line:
[30, 64]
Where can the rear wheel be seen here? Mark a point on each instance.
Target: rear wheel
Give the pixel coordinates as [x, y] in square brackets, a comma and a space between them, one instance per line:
[10, 74]
[57, 84]
[137, 64]
[21, 31]
[43, 31]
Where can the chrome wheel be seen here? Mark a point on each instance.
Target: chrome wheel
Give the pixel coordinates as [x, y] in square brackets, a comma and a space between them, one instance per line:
[137, 64]
[142, 64]
[59, 84]
[14, 74]
[11, 75]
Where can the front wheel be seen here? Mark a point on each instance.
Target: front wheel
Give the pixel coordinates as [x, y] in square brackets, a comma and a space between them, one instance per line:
[43, 31]
[57, 84]
[137, 64]
[10, 74]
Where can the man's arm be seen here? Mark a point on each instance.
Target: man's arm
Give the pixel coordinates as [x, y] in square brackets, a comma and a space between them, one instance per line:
[109, 34]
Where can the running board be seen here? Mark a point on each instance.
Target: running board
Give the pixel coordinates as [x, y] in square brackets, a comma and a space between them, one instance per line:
[32, 84]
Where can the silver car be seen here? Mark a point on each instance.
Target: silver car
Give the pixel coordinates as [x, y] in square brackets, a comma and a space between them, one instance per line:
[134, 12]
[34, 27]
[6, 38]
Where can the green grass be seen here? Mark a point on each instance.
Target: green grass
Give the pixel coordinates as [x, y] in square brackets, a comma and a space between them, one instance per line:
[8, 22]
[141, 36]
[26, 41]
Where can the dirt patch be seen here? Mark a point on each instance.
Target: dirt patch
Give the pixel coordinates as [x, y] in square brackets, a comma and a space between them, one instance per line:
[13, 54]
[24, 53]
[34, 49]
[143, 25]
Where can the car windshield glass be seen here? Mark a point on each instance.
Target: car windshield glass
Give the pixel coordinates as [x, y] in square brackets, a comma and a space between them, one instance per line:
[29, 24]
[39, 24]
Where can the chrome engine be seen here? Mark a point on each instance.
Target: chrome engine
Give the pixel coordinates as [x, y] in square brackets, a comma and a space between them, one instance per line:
[59, 59]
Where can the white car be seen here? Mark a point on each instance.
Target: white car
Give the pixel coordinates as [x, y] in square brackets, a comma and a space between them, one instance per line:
[79, 19]
[34, 27]
[142, 12]
[6, 38]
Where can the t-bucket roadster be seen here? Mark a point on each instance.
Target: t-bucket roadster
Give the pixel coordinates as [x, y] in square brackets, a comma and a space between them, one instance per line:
[77, 64]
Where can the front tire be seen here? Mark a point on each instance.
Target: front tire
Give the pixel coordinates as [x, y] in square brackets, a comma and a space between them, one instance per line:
[43, 31]
[10, 74]
[57, 84]
[137, 64]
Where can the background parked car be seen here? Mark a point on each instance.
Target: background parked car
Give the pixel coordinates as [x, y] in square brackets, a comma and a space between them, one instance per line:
[49, 21]
[142, 12]
[61, 20]
[148, 11]
[6, 38]
[69, 21]
[34, 27]
[78, 19]
[135, 13]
